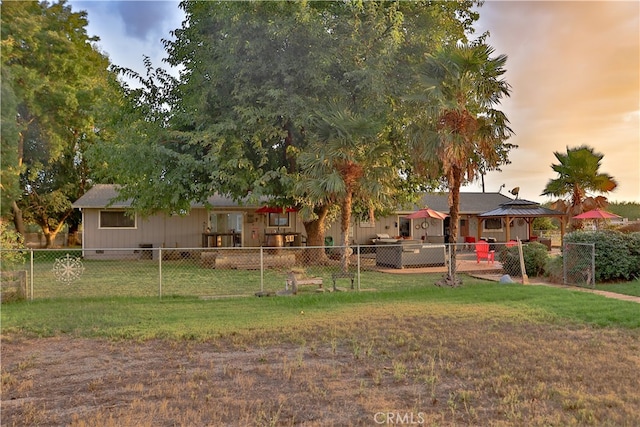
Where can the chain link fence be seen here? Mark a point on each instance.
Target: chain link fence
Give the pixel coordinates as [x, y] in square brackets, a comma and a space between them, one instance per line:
[579, 264]
[237, 271]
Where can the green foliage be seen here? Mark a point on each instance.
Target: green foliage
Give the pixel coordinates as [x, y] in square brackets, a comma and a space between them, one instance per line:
[617, 255]
[630, 210]
[544, 223]
[578, 173]
[258, 78]
[455, 131]
[10, 167]
[10, 244]
[553, 269]
[535, 257]
[60, 82]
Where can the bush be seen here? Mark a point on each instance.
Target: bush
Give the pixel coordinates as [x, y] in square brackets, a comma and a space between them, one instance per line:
[617, 255]
[535, 257]
[554, 269]
[12, 283]
[633, 240]
[10, 243]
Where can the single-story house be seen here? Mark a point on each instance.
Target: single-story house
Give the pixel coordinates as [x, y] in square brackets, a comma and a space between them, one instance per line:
[432, 230]
[107, 225]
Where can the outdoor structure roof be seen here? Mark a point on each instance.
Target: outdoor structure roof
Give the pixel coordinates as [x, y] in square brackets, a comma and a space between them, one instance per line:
[522, 209]
[470, 203]
[100, 195]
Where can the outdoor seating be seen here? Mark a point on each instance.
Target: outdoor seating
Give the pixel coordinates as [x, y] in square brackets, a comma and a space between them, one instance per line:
[297, 278]
[469, 242]
[410, 254]
[483, 252]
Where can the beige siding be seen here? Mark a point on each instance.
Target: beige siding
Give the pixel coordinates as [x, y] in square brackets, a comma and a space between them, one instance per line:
[159, 231]
[175, 231]
[362, 235]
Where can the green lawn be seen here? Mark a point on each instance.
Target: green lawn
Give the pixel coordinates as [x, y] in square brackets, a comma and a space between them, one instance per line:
[201, 319]
[481, 354]
[625, 288]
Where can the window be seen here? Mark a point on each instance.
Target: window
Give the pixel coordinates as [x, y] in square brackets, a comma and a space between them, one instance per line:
[117, 219]
[493, 224]
[278, 219]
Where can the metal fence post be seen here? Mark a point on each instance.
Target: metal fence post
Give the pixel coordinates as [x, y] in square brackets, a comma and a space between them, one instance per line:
[31, 273]
[565, 254]
[261, 269]
[159, 272]
[593, 265]
[359, 255]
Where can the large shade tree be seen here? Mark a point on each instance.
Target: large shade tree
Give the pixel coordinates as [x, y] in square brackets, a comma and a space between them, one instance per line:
[457, 132]
[579, 184]
[9, 154]
[257, 80]
[60, 82]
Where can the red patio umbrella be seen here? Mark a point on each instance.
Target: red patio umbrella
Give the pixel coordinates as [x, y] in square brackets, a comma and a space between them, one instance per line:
[275, 209]
[596, 214]
[427, 213]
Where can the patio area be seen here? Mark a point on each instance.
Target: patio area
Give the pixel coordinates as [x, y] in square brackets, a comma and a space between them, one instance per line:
[465, 261]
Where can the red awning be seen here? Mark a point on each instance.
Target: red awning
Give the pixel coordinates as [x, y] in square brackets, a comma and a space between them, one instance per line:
[275, 209]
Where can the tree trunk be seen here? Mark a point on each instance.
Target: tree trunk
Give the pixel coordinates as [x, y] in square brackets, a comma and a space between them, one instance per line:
[345, 222]
[49, 239]
[18, 222]
[315, 236]
[454, 213]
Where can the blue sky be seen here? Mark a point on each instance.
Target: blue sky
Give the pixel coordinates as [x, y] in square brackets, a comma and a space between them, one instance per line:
[574, 68]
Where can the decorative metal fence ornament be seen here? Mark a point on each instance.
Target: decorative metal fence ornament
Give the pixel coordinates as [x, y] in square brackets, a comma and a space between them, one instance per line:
[68, 268]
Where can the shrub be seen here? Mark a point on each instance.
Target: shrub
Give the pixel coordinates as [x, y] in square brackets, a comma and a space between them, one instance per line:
[633, 240]
[617, 256]
[10, 243]
[535, 257]
[553, 269]
[12, 283]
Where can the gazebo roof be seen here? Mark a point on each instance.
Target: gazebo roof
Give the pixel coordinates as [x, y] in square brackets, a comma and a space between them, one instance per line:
[521, 208]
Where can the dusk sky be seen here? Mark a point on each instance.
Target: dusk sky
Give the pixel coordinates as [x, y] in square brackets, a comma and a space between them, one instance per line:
[574, 68]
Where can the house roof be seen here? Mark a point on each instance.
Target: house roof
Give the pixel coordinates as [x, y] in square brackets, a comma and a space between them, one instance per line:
[470, 203]
[100, 195]
[520, 208]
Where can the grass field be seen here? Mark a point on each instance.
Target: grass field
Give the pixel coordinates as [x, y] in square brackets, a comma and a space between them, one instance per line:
[625, 288]
[186, 277]
[482, 354]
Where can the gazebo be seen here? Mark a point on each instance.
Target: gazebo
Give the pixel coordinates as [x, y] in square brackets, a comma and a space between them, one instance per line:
[525, 209]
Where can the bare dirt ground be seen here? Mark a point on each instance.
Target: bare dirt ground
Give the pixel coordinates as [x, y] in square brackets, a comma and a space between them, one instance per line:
[375, 368]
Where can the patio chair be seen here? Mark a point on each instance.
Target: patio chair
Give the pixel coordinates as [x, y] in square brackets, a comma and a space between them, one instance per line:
[483, 252]
[469, 242]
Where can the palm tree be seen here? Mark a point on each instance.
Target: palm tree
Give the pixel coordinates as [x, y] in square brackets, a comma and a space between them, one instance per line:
[459, 134]
[349, 160]
[578, 174]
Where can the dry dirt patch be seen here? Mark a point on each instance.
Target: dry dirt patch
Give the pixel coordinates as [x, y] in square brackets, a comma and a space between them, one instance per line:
[420, 369]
